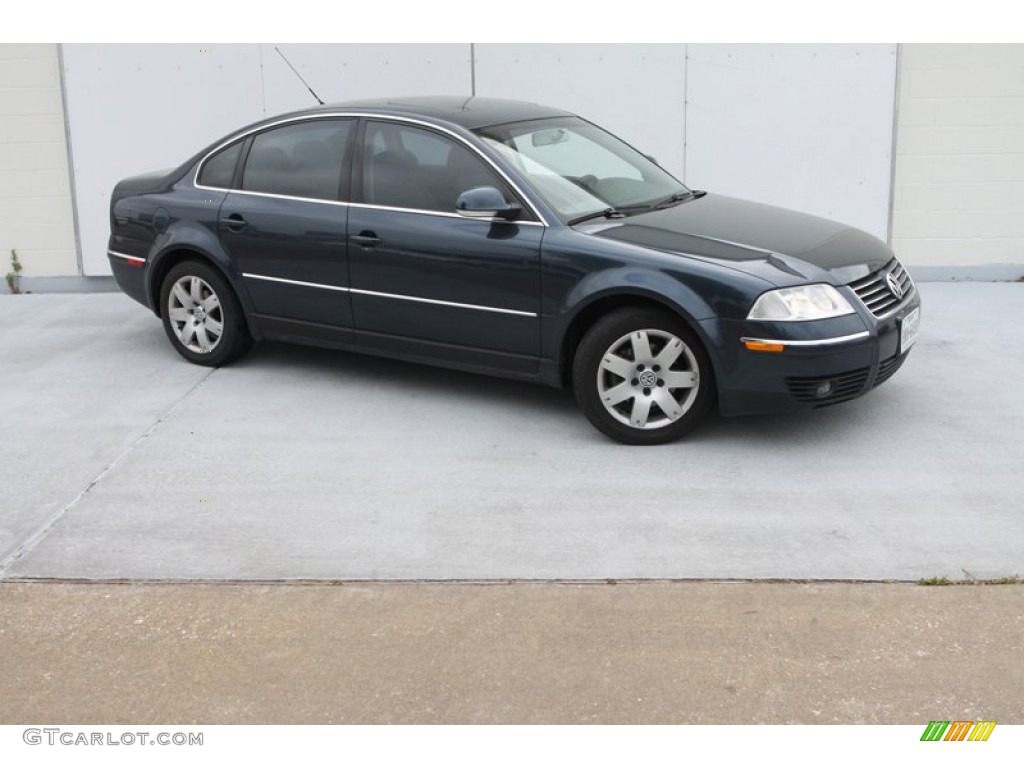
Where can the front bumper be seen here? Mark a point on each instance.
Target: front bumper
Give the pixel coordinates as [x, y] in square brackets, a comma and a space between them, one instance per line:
[823, 362]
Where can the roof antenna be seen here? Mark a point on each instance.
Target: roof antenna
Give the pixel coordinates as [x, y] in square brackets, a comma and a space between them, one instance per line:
[299, 76]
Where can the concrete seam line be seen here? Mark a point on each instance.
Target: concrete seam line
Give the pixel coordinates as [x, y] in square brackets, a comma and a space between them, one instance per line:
[520, 582]
[37, 536]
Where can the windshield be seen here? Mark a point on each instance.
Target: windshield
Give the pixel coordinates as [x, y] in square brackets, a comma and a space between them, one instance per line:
[580, 169]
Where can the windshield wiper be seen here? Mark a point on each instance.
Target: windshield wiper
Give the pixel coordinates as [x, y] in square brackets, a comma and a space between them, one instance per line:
[608, 213]
[675, 197]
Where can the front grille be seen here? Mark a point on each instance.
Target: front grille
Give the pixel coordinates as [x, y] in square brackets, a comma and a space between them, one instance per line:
[888, 367]
[874, 291]
[845, 386]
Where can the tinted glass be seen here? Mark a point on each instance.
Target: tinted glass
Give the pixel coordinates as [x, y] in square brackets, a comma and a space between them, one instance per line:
[580, 168]
[302, 160]
[405, 167]
[220, 169]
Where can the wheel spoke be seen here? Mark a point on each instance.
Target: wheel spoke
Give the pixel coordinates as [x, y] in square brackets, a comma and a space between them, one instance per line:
[196, 291]
[641, 346]
[667, 403]
[620, 366]
[641, 409]
[186, 333]
[211, 303]
[202, 338]
[180, 315]
[687, 379]
[181, 295]
[670, 353]
[618, 393]
[214, 326]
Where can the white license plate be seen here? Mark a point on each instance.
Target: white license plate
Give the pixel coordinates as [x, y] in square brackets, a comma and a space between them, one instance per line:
[908, 330]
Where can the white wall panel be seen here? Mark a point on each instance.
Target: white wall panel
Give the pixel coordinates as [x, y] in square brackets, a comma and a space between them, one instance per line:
[959, 197]
[139, 108]
[635, 91]
[802, 126]
[807, 127]
[344, 72]
[35, 194]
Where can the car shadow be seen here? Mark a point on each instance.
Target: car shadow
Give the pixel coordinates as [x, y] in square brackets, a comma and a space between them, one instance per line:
[801, 427]
[370, 370]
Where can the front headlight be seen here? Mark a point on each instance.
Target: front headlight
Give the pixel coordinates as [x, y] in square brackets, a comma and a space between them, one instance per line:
[805, 302]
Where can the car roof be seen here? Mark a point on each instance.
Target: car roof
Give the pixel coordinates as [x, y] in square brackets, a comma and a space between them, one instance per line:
[467, 111]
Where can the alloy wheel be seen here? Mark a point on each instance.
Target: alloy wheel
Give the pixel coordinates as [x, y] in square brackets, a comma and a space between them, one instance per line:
[648, 379]
[195, 313]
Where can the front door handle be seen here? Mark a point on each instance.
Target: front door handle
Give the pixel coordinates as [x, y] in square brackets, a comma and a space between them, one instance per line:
[234, 222]
[366, 238]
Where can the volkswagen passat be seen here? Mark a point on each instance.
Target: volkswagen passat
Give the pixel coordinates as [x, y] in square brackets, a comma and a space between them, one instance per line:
[513, 239]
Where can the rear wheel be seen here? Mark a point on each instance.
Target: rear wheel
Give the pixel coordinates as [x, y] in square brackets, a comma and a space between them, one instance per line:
[642, 377]
[202, 316]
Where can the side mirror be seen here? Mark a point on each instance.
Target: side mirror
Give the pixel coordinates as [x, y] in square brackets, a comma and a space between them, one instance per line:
[485, 203]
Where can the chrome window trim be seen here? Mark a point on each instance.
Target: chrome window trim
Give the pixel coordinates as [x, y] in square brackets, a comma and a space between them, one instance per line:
[282, 197]
[425, 212]
[809, 343]
[401, 297]
[126, 256]
[368, 116]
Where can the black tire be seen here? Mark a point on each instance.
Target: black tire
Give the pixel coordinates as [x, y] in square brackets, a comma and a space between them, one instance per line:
[197, 321]
[613, 400]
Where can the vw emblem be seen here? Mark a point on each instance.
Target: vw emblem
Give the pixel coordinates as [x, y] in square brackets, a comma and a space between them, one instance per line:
[894, 285]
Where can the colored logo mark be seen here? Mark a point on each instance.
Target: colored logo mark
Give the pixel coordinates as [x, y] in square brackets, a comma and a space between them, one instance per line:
[958, 730]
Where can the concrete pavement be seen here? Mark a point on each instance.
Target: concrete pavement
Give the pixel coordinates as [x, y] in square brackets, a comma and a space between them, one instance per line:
[120, 460]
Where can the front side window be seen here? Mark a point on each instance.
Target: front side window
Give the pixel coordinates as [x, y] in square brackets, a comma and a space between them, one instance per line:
[408, 167]
[300, 160]
[219, 170]
[581, 169]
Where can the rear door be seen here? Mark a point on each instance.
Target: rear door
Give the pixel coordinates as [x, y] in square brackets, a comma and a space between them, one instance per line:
[285, 225]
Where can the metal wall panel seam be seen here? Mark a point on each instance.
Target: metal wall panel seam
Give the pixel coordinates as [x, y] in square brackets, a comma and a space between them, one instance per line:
[892, 151]
[71, 159]
[472, 69]
[686, 100]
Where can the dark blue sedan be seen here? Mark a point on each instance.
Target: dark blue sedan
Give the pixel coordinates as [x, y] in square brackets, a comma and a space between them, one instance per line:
[512, 239]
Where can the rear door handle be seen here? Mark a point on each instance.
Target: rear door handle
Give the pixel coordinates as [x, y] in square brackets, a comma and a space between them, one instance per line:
[234, 222]
[366, 238]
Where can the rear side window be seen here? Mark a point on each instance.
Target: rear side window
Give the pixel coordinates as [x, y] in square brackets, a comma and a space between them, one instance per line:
[220, 169]
[302, 160]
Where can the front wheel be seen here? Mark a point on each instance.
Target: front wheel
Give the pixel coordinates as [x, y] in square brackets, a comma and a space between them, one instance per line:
[642, 377]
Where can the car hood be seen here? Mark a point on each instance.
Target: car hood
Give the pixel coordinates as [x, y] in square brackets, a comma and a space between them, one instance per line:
[782, 246]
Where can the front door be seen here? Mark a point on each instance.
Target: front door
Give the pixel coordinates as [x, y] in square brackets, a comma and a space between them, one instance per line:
[423, 273]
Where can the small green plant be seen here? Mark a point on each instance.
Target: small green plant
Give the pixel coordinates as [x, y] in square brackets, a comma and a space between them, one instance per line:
[935, 581]
[14, 276]
[1008, 580]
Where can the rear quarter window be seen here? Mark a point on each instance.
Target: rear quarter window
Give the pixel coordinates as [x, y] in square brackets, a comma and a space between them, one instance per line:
[219, 170]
